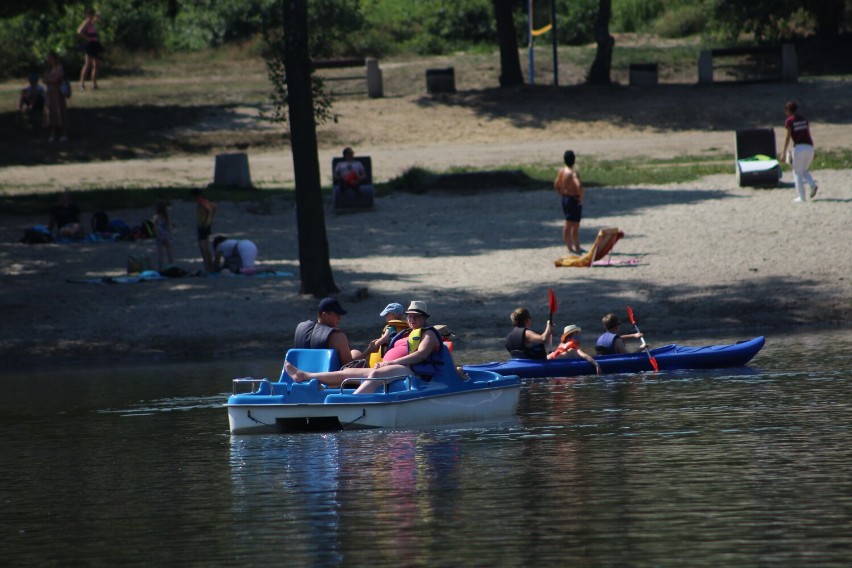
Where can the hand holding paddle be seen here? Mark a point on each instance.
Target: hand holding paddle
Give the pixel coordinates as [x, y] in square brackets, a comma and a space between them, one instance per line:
[644, 345]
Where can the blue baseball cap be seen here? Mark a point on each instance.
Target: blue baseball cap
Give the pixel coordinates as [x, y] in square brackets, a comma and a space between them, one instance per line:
[393, 308]
[331, 305]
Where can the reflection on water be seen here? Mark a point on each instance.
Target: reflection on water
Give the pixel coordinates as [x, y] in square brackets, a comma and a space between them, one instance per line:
[733, 467]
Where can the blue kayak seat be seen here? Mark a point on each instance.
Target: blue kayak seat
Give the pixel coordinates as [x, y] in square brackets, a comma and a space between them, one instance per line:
[311, 360]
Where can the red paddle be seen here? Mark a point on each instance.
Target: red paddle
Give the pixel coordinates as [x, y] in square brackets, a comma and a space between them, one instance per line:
[633, 321]
[554, 307]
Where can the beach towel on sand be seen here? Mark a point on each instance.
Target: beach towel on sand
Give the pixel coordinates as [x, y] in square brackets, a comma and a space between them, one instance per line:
[602, 246]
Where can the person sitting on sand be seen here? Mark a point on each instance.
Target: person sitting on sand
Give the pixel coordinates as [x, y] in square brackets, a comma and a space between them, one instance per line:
[349, 173]
[569, 346]
[416, 350]
[611, 342]
[324, 333]
[65, 218]
[33, 97]
[524, 343]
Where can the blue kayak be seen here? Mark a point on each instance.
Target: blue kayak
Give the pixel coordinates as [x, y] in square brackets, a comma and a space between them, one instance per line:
[669, 358]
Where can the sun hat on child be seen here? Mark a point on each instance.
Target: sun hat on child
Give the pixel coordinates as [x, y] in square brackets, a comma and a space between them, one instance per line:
[570, 330]
[393, 308]
[417, 307]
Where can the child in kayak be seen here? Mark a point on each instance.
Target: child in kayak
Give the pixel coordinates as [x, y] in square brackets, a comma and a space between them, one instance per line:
[569, 346]
[612, 342]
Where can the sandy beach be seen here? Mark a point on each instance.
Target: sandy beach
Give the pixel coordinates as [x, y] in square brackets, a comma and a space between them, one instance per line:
[699, 256]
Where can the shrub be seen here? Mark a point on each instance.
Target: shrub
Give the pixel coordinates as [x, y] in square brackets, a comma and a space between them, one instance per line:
[681, 21]
[635, 15]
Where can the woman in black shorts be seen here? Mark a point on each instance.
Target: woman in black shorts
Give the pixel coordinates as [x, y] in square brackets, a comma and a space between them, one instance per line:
[92, 48]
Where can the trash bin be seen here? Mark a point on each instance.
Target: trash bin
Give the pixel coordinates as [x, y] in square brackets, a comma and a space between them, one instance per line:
[643, 74]
[232, 170]
[441, 80]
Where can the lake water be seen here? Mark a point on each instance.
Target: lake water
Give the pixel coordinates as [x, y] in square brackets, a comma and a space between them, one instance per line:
[746, 467]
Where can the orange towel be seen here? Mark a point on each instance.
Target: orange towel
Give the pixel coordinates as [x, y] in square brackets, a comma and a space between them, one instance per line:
[602, 246]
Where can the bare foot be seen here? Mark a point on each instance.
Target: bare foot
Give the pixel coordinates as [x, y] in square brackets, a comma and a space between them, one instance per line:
[295, 374]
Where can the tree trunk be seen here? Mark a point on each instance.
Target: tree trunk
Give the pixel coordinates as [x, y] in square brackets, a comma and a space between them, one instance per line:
[599, 74]
[510, 61]
[314, 264]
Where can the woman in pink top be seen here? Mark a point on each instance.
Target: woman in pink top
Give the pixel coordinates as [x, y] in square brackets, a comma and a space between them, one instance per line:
[799, 132]
[88, 32]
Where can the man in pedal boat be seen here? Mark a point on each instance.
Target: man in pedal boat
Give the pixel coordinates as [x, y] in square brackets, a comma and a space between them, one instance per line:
[413, 351]
[324, 333]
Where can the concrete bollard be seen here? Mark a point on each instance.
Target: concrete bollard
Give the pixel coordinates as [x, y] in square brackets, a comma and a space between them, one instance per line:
[375, 88]
[232, 170]
[705, 67]
[643, 74]
[789, 63]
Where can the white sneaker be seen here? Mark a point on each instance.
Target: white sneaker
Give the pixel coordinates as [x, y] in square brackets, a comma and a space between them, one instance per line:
[814, 190]
[798, 200]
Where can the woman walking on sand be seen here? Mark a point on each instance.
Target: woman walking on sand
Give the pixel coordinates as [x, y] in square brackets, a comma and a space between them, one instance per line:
[798, 130]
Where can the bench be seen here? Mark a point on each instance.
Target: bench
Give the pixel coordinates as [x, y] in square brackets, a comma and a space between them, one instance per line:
[761, 62]
[373, 75]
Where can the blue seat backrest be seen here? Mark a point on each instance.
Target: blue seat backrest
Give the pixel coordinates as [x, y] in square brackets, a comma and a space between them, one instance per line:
[312, 360]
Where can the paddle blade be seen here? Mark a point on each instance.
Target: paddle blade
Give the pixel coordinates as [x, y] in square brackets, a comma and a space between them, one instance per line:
[554, 305]
[653, 362]
[630, 315]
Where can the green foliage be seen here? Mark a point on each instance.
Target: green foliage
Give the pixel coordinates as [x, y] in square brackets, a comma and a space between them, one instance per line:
[141, 28]
[576, 21]
[635, 15]
[32, 28]
[428, 26]
[682, 21]
[208, 23]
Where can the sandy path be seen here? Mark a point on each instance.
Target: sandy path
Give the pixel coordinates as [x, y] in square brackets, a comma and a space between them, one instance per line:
[276, 168]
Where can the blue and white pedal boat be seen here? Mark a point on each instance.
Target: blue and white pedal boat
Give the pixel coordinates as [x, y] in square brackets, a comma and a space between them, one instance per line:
[261, 405]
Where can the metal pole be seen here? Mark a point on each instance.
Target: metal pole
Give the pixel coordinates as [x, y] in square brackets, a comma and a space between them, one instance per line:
[554, 40]
[532, 57]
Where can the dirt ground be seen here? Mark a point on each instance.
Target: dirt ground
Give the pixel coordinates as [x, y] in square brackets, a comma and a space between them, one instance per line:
[699, 256]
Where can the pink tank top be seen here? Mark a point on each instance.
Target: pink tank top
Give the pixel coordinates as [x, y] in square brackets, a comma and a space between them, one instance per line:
[400, 349]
